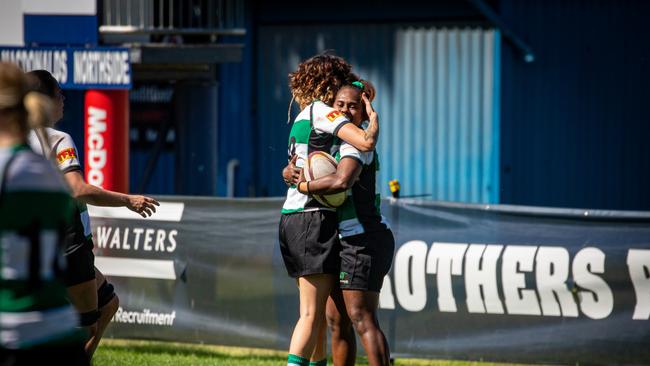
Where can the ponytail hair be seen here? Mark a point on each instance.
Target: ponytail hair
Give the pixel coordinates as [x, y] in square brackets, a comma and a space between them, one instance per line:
[39, 113]
[39, 109]
[27, 110]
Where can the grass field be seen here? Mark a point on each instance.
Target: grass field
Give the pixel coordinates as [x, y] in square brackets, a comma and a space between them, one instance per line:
[122, 352]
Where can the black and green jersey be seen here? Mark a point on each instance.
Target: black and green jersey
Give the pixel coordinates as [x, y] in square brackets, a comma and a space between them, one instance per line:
[35, 208]
[314, 129]
[65, 153]
[360, 213]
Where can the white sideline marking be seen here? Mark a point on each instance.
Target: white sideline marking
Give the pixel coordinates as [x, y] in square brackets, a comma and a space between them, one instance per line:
[139, 268]
[167, 211]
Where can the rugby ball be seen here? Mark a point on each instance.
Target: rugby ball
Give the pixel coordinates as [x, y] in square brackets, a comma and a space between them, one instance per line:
[320, 164]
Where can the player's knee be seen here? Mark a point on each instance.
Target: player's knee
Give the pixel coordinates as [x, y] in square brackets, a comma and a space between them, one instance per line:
[337, 322]
[361, 318]
[107, 299]
[357, 313]
[333, 318]
[308, 315]
[112, 306]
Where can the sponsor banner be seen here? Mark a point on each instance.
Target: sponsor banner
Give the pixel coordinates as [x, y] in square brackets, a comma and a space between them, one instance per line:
[494, 283]
[106, 114]
[76, 68]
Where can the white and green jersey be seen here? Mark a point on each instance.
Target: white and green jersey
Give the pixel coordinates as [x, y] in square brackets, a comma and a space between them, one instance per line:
[67, 159]
[314, 129]
[35, 208]
[360, 213]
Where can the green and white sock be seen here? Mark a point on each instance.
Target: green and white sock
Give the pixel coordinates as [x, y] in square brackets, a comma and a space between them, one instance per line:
[294, 360]
[322, 362]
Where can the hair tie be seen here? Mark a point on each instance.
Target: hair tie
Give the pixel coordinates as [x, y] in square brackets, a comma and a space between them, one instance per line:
[293, 97]
[358, 84]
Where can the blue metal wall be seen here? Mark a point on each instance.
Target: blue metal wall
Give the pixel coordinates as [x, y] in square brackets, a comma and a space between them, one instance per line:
[237, 134]
[196, 111]
[163, 178]
[575, 122]
[437, 93]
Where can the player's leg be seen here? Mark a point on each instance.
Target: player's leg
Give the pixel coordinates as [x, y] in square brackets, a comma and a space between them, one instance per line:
[309, 246]
[362, 309]
[365, 260]
[108, 302]
[82, 289]
[319, 355]
[344, 346]
[314, 290]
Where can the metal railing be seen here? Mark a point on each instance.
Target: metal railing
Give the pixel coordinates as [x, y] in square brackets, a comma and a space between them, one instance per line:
[181, 17]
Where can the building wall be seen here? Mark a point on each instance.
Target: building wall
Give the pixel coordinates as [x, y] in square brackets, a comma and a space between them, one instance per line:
[575, 122]
[435, 96]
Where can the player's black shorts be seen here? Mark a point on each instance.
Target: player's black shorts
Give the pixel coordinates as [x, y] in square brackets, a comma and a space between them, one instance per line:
[365, 260]
[80, 265]
[309, 243]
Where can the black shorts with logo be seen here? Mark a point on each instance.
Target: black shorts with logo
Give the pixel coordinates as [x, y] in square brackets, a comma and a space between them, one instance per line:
[309, 243]
[80, 265]
[365, 260]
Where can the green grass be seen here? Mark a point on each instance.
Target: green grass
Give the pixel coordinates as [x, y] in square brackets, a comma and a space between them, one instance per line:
[123, 352]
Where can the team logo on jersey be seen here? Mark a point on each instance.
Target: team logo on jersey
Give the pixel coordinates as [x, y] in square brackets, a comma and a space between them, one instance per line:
[334, 115]
[344, 278]
[65, 155]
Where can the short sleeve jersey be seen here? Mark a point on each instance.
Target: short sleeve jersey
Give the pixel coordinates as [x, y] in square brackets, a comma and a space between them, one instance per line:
[35, 208]
[66, 155]
[361, 213]
[314, 129]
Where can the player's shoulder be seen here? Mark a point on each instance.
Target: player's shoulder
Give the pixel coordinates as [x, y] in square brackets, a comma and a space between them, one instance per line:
[322, 110]
[327, 118]
[321, 107]
[303, 115]
[60, 140]
[30, 171]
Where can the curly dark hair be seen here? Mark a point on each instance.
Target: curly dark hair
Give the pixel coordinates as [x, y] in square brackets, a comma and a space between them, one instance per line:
[320, 77]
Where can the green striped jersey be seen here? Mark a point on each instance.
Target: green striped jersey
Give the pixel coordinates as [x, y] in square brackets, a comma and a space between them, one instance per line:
[314, 129]
[67, 159]
[35, 208]
[361, 213]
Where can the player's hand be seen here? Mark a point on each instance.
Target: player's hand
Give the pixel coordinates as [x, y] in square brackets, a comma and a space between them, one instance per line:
[145, 206]
[301, 178]
[291, 173]
[372, 114]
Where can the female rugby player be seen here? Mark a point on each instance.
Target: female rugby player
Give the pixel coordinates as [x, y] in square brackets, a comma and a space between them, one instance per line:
[367, 242]
[88, 289]
[308, 235]
[37, 324]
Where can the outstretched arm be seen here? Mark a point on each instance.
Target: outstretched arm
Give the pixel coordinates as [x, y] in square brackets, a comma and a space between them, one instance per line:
[88, 193]
[347, 172]
[364, 140]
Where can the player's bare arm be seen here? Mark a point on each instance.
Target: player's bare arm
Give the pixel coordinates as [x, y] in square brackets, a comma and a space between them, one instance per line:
[347, 172]
[93, 195]
[364, 140]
